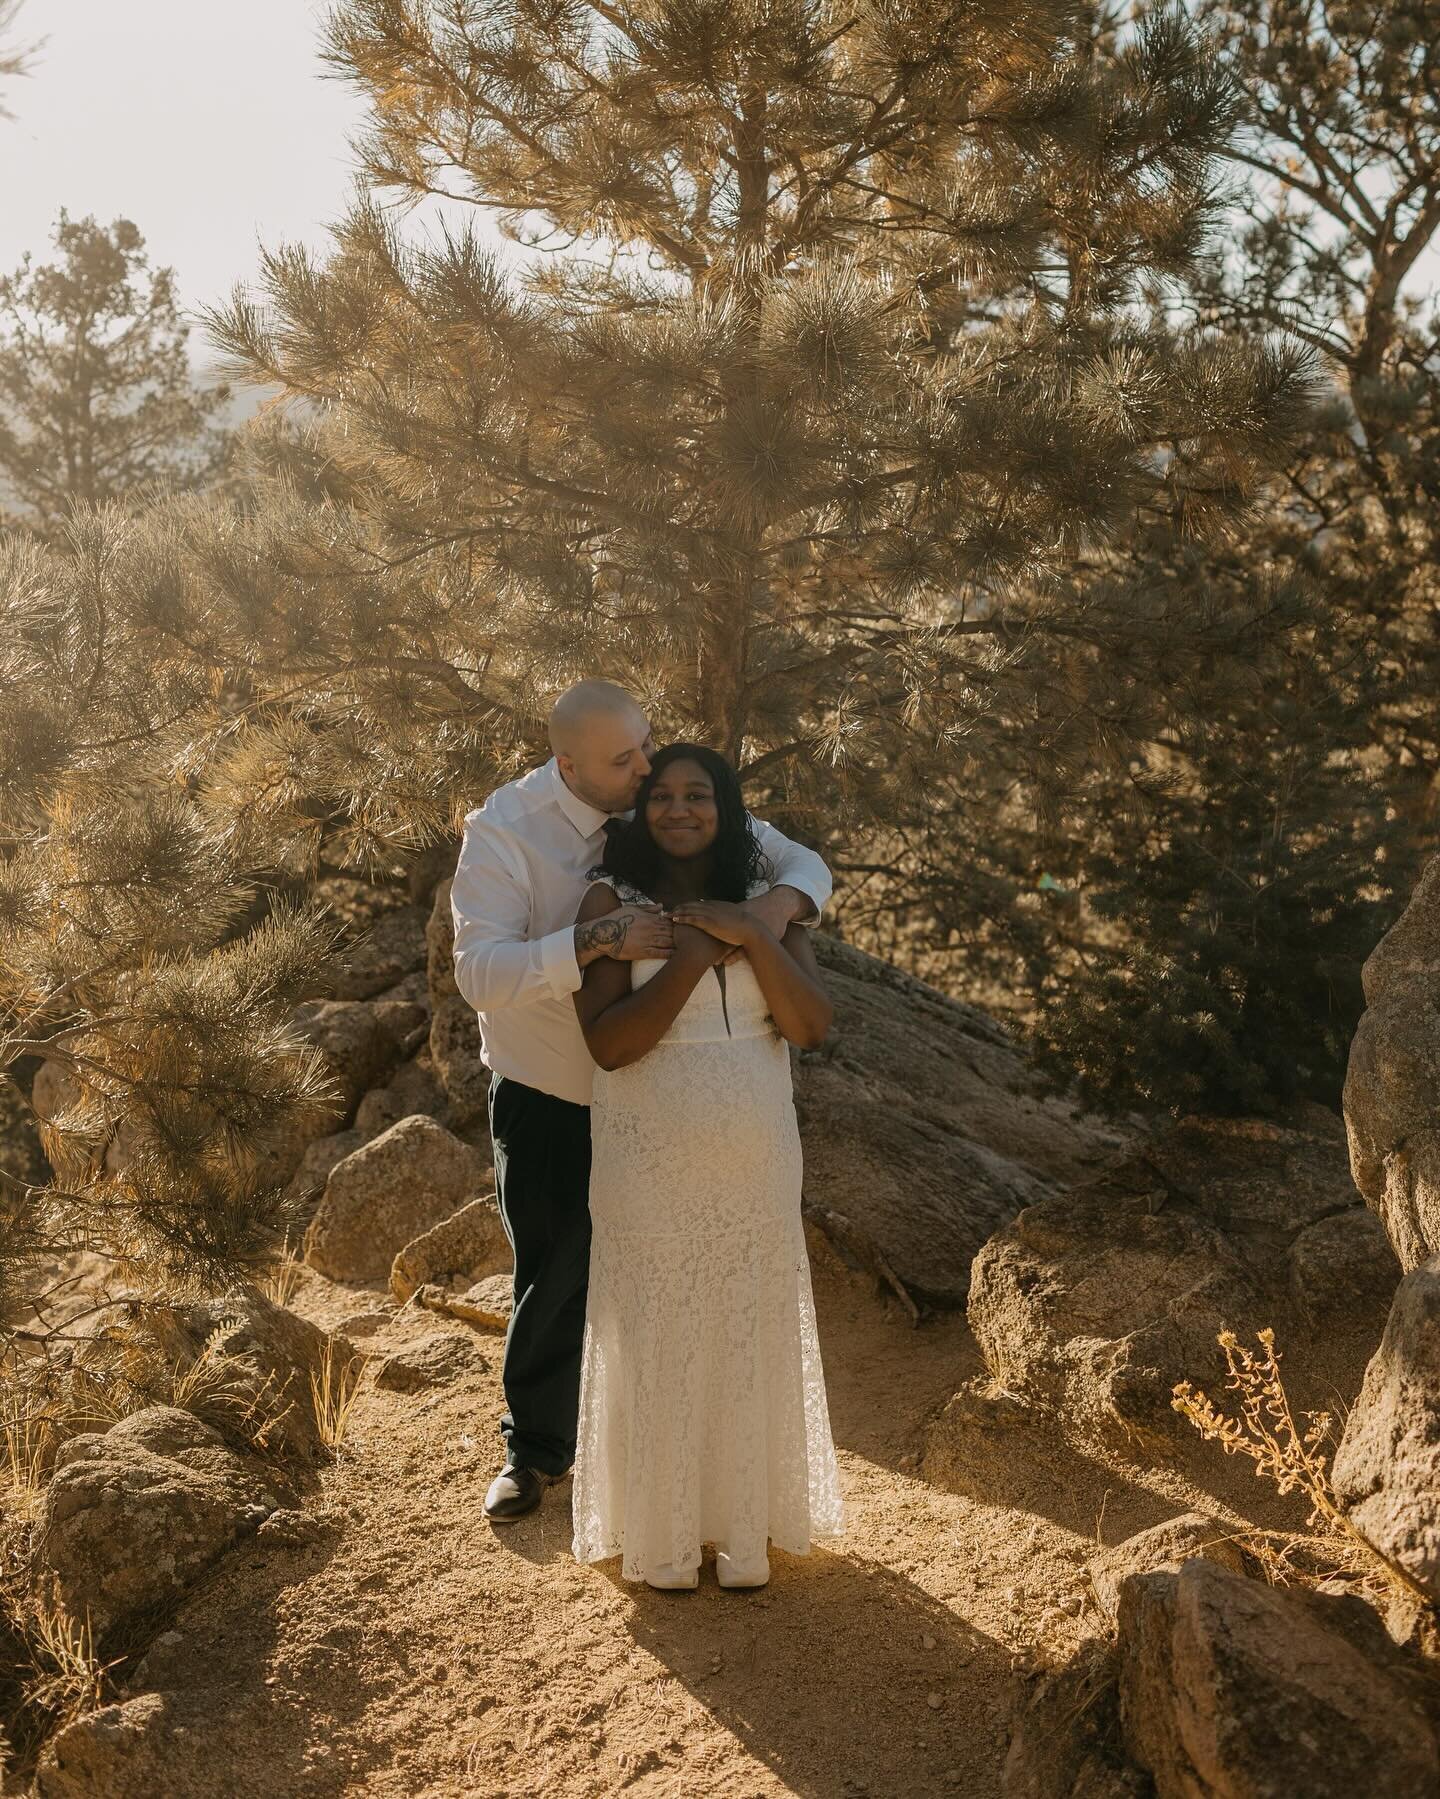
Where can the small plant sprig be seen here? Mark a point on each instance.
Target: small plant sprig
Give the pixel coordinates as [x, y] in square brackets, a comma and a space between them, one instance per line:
[1268, 1432]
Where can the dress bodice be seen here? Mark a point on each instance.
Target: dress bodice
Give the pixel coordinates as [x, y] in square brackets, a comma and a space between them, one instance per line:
[728, 1002]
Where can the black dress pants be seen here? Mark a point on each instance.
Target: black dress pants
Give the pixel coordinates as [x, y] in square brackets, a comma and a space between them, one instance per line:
[542, 1179]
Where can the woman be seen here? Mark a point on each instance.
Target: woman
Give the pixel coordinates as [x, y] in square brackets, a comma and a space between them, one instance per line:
[702, 1398]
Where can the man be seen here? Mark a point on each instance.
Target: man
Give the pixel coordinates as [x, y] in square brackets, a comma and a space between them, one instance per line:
[518, 960]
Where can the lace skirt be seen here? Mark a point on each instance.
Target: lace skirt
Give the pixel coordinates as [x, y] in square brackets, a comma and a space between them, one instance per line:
[703, 1415]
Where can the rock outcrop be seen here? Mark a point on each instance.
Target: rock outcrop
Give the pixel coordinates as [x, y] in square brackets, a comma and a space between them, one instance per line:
[455, 1056]
[1393, 1078]
[1163, 1548]
[412, 1089]
[468, 1246]
[925, 1127]
[1230, 1689]
[321, 1155]
[487, 1304]
[1094, 1304]
[271, 1355]
[133, 1515]
[440, 945]
[121, 1751]
[454, 1028]
[432, 1361]
[388, 949]
[386, 1194]
[1065, 1740]
[1387, 1469]
[361, 1040]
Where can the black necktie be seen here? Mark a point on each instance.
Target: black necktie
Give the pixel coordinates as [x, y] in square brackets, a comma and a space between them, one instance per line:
[612, 825]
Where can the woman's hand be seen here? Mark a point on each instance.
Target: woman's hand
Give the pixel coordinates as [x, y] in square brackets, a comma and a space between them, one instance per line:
[693, 944]
[730, 925]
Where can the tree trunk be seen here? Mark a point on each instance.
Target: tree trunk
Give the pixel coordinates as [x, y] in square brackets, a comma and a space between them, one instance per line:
[725, 632]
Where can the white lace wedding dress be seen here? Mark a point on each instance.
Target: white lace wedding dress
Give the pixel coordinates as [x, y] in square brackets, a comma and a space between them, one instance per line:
[703, 1415]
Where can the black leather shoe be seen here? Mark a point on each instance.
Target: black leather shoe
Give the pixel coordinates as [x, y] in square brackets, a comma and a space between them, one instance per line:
[517, 1490]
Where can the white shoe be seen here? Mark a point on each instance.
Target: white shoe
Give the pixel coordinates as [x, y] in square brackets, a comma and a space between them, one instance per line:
[666, 1575]
[730, 1573]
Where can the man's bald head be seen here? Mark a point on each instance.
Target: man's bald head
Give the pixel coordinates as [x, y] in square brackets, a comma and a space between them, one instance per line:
[602, 743]
[580, 707]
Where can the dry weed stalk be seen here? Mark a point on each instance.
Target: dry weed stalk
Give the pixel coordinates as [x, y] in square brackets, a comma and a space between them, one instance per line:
[1267, 1431]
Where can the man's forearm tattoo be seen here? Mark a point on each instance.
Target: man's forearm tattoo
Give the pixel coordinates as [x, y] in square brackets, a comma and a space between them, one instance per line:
[603, 935]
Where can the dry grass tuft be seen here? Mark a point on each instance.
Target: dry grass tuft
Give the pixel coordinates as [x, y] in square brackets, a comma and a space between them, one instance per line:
[59, 1676]
[283, 1277]
[129, 1364]
[30, 1437]
[333, 1391]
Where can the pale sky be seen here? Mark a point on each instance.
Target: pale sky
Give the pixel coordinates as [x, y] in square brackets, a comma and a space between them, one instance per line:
[208, 123]
[211, 125]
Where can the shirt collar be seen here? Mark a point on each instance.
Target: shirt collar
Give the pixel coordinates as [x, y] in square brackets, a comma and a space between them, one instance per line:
[587, 819]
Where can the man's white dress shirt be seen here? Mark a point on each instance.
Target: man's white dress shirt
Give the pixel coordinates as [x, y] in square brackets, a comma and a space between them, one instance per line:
[518, 886]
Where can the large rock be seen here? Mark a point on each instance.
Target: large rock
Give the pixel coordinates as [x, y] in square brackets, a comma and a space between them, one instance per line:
[1394, 1075]
[79, 1288]
[925, 1127]
[440, 946]
[455, 1057]
[1162, 1546]
[414, 989]
[410, 1090]
[321, 1155]
[489, 1303]
[1064, 1740]
[119, 1752]
[1387, 1468]
[362, 1041]
[133, 1515]
[432, 1361]
[466, 1247]
[1230, 1689]
[1341, 1266]
[1094, 1304]
[386, 1194]
[389, 948]
[270, 1354]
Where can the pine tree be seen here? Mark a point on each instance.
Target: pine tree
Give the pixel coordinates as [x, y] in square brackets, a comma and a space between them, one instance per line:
[1343, 124]
[801, 438]
[1235, 884]
[828, 376]
[1204, 907]
[97, 400]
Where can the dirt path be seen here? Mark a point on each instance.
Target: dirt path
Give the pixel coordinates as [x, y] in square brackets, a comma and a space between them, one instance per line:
[414, 1649]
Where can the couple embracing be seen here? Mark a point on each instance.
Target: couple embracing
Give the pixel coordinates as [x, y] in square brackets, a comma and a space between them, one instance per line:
[634, 944]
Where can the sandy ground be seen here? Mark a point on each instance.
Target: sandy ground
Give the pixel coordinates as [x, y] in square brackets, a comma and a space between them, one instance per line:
[415, 1649]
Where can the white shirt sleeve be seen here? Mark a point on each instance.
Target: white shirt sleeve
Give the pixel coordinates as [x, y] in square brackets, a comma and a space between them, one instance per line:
[795, 866]
[496, 965]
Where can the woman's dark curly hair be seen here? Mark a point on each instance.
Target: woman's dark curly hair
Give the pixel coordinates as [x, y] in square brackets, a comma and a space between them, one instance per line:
[736, 859]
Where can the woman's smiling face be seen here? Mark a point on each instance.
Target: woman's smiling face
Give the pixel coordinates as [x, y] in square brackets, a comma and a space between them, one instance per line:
[680, 811]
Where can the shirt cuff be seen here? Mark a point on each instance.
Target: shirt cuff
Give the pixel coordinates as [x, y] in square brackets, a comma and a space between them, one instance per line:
[558, 962]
